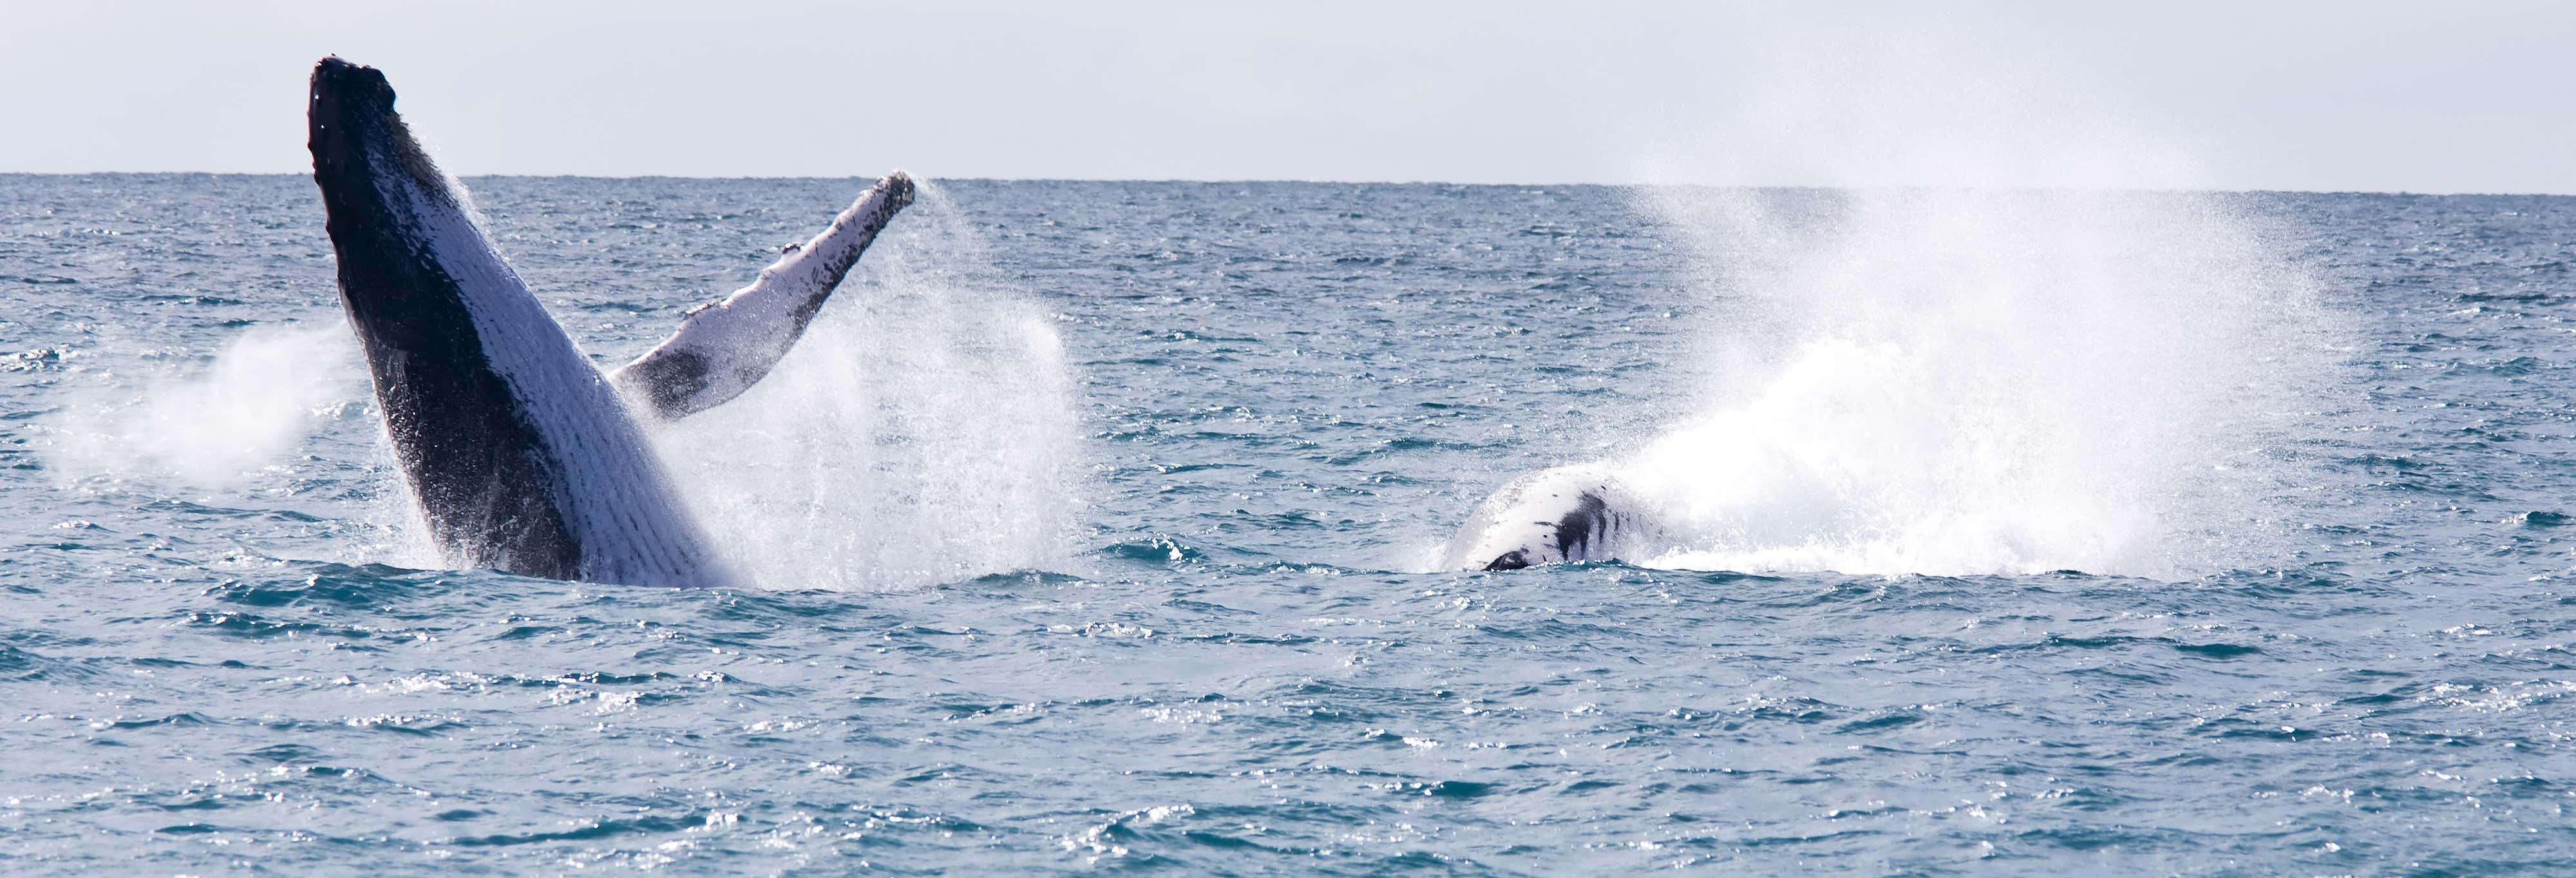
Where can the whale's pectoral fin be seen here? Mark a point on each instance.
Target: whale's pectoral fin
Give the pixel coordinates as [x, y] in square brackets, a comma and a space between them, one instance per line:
[724, 347]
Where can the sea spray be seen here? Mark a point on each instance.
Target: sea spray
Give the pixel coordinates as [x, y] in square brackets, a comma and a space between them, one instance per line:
[216, 421]
[1999, 350]
[923, 430]
[1952, 381]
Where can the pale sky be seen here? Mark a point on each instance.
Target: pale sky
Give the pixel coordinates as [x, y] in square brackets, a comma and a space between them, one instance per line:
[2425, 97]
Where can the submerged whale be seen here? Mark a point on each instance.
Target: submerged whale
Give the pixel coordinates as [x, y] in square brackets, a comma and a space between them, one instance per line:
[1567, 513]
[521, 455]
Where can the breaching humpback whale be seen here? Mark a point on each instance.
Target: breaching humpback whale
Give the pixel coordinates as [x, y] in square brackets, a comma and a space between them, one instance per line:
[1567, 513]
[522, 456]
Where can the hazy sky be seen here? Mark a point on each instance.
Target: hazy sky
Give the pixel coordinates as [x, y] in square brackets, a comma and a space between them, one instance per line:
[2440, 97]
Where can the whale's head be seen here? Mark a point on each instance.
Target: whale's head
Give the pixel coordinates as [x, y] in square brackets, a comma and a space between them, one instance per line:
[361, 149]
[403, 232]
[347, 98]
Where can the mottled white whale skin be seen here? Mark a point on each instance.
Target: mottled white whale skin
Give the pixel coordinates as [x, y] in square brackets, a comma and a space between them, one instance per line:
[520, 455]
[1556, 515]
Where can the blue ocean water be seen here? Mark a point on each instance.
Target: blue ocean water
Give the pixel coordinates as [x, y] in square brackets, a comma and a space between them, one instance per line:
[1095, 529]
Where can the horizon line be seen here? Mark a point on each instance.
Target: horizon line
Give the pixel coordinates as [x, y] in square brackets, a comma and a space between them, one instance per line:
[1379, 182]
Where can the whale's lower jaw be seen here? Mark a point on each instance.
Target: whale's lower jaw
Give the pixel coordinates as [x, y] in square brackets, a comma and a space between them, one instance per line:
[1548, 517]
[520, 456]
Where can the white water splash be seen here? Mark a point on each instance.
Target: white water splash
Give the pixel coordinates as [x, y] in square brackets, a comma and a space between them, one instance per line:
[1977, 380]
[267, 389]
[923, 431]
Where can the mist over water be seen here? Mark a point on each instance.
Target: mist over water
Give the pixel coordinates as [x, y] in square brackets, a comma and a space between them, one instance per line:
[1990, 352]
[922, 432]
[1963, 381]
[209, 422]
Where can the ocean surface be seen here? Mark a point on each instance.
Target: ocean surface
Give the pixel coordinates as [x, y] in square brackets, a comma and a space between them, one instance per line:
[1097, 527]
